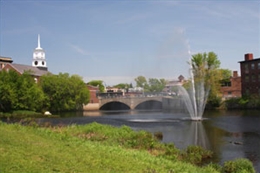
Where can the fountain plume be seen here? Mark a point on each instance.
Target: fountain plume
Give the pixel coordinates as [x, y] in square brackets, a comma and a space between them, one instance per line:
[195, 97]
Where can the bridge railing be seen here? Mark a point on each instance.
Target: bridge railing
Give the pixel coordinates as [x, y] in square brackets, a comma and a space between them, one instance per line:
[130, 95]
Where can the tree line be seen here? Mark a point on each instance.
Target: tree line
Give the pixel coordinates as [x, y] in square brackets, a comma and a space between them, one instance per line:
[62, 92]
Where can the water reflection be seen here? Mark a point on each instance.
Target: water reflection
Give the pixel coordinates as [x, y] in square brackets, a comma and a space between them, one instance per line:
[182, 133]
[197, 135]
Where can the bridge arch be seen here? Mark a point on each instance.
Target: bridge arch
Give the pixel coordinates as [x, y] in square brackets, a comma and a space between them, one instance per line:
[149, 104]
[114, 105]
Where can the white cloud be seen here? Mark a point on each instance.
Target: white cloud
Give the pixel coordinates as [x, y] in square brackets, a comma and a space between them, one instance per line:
[78, 49]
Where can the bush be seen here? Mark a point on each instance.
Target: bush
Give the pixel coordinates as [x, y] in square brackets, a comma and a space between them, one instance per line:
[232, 103]
[252, 102]
[213, 103]
[240, 165]
[170, 152]
[158, 135]
[196, 155]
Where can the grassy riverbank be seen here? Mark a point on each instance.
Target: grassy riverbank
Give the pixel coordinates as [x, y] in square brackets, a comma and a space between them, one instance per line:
[20, 114]
[90, 148]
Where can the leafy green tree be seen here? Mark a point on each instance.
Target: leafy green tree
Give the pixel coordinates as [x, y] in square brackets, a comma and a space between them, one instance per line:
[81, 93]
[64, 92]
[156, 85]
[142, 82]
[30, 96]
[98, 83]
[19, 92]
[225, 75]
[122, 85]
[8, 95]
[153, 84]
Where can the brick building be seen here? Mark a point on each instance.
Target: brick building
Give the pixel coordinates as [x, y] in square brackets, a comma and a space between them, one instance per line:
[232, 88]
[250, 75]
[93, 90]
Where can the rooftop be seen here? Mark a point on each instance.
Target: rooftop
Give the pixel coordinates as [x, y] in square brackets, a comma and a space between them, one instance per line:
[23, 68]
[6, 59]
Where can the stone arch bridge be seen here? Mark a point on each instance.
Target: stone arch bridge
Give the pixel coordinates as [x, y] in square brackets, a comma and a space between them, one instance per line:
[131, 102]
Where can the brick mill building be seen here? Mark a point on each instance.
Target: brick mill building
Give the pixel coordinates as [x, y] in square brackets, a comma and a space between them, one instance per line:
[232, 88]
[250, 75]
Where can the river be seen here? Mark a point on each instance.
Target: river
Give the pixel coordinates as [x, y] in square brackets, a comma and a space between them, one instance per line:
[229, 134]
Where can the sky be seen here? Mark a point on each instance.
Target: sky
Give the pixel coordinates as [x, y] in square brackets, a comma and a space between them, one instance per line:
[119, 40]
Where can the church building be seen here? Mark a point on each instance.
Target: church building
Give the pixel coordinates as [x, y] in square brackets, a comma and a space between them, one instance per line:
[38, 68]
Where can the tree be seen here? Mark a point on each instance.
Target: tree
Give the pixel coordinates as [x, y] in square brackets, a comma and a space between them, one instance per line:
[29, 94]
[19, 92]
[64, 92]
[98, 83]
[225, 76]
[122, 86]
[156, 85]
[153, 84]
[8, 95]
[142, 82]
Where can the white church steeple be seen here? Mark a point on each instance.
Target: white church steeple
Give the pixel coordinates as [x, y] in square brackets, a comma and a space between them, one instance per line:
[39, 42]
[39, 56]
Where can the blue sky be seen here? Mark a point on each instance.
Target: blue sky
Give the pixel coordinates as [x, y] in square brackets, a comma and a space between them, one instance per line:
[116, 41]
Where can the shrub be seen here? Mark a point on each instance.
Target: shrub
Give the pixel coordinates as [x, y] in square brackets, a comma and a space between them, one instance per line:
[170, 152]
[232, 103]
[141, 140]
[240, 165]
[213, 103]
[196, 155]
[158, 135]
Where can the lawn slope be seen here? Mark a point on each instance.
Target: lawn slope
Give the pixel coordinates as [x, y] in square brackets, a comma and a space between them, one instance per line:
[37, 149]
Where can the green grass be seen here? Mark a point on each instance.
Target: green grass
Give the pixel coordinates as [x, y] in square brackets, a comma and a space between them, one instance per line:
[65, 149]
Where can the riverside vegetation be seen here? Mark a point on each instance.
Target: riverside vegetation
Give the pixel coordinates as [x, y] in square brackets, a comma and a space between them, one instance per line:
[100, 148]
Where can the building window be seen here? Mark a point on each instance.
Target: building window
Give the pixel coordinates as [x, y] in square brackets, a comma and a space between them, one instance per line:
[247, 78]
[247, 91]
[246, 68]
[226, 84]
[253, 66]
[230, 93]
[258, 65]
[253, 78]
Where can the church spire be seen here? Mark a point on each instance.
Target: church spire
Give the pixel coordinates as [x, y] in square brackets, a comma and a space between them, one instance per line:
[39, 42]
[39, 56]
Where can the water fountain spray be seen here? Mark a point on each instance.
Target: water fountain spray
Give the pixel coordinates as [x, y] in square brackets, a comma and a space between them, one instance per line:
[195, 99]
